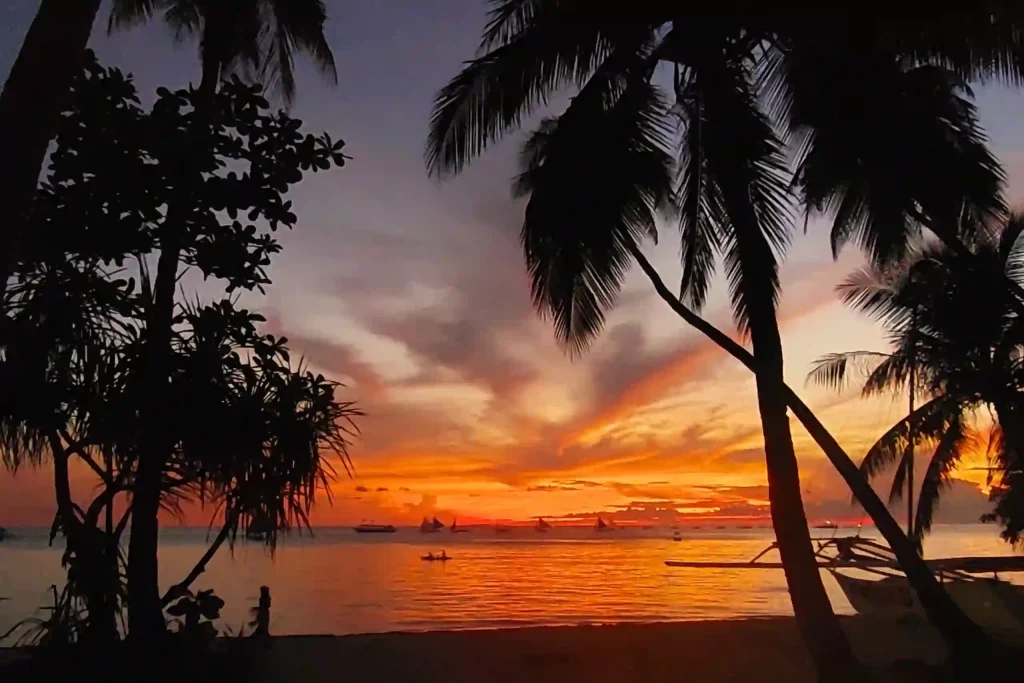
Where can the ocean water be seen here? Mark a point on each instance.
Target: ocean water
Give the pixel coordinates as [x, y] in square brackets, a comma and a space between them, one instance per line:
[340, 582]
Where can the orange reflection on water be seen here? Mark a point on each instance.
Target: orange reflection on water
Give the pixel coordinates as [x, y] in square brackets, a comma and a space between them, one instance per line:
[341, 582]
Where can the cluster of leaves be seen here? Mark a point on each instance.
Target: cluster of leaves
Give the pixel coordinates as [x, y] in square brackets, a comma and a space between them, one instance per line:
[253, 432]
[761, 114]
[956, 336]
[195, 614]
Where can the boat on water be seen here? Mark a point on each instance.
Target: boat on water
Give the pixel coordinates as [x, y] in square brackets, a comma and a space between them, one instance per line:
[375, 529]
[3, 533]
[456, 529]
[827, 524]
[431, 557]
[600, 525]
[676, 536]
[431, 526]
[542, 526]
[994, 604]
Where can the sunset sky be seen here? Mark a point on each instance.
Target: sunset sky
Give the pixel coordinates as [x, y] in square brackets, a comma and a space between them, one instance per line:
[414, 294]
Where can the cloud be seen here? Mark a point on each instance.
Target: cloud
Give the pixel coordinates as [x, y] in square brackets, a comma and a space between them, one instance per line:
[551, 488]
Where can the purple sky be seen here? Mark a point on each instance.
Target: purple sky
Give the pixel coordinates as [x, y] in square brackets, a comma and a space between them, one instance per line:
[414, 294]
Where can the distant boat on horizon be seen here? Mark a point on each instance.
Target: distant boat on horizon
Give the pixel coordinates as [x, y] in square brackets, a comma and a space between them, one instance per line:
[456, 529]
[600, 526]
[542, 526]
[375, 529]
[431, 526]
[827, 524]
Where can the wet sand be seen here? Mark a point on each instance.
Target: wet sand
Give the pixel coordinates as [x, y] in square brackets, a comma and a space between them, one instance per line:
[756, 650]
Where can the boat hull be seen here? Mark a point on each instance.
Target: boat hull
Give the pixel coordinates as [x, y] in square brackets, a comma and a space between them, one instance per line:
[996, 606]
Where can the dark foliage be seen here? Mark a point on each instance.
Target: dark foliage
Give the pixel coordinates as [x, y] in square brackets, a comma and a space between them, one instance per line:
[252, 433]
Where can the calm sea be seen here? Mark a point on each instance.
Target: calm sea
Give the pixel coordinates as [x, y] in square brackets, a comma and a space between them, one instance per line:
[341, 582]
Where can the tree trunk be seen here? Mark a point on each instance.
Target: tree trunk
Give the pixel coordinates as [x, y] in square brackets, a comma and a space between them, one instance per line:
[230, 523]
[91, 579]
[145, 610]
[32, 101]
[958, 632]
[145, 616]
[825, 639]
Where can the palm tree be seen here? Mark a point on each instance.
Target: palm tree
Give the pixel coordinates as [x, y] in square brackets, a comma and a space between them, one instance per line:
[597, 174]
[862, 148]
[261, 37]
[34, 95]
[258, 38]
[957, 340]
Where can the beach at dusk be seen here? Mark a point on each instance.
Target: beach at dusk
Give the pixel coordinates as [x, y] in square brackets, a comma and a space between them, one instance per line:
[511, 340]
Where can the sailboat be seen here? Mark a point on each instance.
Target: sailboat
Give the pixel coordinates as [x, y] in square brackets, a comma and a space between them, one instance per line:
[455, 527]
[431, 526]
[542, 526]
[600, 526]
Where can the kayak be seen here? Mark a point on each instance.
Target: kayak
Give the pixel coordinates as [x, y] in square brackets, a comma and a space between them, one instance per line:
[429, 558]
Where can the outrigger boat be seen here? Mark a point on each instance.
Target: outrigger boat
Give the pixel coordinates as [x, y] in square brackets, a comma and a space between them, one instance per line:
[994, 604]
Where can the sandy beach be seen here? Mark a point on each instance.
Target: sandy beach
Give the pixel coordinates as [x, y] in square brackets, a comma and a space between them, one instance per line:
[756, 650]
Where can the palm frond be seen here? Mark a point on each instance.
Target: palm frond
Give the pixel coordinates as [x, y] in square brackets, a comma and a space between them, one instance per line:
[878, 198]
[746, 167]
[1011, 250]
[943, 463]
[979, 44]
[294, 25]
[926, 424]
[899, 480]
[128, 13]
[595, 178]
[876, 293]
[702, 208]
[832, 369]
[494, 92]
[508, 18]
[184, 19]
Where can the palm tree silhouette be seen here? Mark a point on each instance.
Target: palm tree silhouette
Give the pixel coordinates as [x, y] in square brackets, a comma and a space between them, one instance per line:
[956, 340]
[597, 174]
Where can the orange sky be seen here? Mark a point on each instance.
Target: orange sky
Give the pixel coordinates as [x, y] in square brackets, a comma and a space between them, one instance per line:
[652, 425]
[414, 294]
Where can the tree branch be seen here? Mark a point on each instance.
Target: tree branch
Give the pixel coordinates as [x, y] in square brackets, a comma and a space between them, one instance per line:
[78, 448]
[230, 523]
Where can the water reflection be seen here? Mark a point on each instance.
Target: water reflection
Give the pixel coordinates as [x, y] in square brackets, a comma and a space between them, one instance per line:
[340, 582]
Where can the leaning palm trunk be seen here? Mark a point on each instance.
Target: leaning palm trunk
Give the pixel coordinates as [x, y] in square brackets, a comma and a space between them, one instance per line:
[819, 627]
[30, 106]
[959, 633]
[145, 609]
